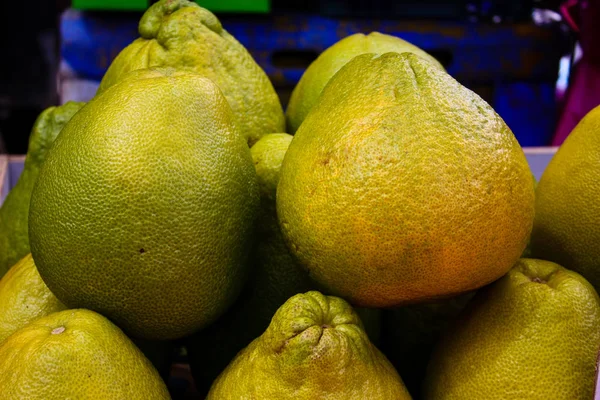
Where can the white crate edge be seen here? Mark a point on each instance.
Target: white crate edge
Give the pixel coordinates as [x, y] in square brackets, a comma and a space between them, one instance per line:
[10, 166]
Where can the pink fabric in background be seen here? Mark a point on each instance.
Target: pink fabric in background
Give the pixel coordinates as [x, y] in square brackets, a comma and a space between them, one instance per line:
[583, 93]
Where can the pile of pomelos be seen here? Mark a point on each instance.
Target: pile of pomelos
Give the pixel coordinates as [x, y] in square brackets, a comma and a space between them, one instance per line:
[173, 210]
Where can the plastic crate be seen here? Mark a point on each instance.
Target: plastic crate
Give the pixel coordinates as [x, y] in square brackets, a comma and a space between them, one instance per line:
[512, 10]
[514, 66]
[285, 45]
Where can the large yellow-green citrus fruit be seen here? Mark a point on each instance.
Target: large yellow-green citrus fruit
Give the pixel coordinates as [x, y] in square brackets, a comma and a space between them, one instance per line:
[532, 335]
[144, 208]
[402, 186]
[567, 205]
[76, 354]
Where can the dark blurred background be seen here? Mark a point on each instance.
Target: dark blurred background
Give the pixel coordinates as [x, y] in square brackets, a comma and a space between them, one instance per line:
[534, 61]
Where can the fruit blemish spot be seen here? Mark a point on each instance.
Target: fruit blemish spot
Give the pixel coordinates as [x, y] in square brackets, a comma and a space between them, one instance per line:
[538, 280]
[59, 330]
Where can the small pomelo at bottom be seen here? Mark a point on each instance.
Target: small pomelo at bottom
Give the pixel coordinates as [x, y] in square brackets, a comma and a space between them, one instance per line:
[533, 334]
[75, 354]
[314, 348]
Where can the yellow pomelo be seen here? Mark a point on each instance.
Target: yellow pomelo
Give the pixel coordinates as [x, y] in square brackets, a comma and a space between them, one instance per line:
[314, 348]
[402, 186]
[75, 354]
[533, 334]
[567, 204]
[144, 208]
